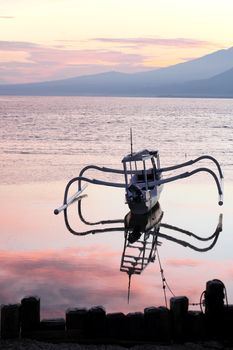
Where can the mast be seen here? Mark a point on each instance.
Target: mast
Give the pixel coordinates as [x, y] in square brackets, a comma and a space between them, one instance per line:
[129, 285]
[131, 141]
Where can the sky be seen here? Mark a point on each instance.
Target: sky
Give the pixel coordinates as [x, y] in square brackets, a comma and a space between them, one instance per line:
[56, 39]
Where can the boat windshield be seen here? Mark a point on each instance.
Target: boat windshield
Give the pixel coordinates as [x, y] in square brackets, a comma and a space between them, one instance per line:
[140, 171]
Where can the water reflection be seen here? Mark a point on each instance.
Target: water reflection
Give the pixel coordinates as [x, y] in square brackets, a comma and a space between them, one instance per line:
[134, 225]
[141, 235]
[43, 259]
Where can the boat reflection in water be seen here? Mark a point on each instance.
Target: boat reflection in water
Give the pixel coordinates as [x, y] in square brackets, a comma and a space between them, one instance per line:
[141, 240]
[141, 237]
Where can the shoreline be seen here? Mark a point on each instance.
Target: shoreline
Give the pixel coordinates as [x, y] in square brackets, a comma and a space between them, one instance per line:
[28, 344]
[158, 327]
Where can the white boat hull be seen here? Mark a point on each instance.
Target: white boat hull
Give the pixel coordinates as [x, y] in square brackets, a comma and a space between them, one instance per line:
[150, 199]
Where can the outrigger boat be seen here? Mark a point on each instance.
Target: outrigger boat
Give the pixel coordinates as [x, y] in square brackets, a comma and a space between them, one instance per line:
[143, 179]
[143, 183]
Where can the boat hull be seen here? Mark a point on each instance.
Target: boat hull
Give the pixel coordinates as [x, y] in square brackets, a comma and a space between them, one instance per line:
[144, 222]
[149, 200]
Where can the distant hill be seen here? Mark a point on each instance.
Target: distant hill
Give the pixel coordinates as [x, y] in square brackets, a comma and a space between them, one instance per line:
[200, 68]
[210, 75]
[220, 85]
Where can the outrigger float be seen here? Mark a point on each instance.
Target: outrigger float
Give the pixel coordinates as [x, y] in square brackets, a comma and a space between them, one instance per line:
[143, 180]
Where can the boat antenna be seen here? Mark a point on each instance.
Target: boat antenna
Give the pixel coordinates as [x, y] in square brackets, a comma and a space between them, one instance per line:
[131, 141]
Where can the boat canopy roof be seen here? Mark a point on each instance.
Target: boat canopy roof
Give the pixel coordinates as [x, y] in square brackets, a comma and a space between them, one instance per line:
[140, 156]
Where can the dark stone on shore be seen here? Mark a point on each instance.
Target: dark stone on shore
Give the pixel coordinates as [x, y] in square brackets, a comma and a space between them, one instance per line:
[179, 311]
[195, 326]
[116, 325]
[214, 309]
[135, 325]
[77, 318]
[53, 324]
[165, 324]
[214, 297]
[10, 321]
[96, 319]
[228, 322]
[30, 314]
[157, 323]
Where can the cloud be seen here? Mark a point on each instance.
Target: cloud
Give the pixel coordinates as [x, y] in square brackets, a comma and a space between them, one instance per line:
[33, 62]
[90, 276]
[184, 262]
[66, 278]
[16, 45]
[172, 42]
[72, 277]
[22, 62]
[7, 17]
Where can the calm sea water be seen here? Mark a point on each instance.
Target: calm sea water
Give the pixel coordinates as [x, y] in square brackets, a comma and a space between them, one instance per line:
[50, 138]
[47, 140]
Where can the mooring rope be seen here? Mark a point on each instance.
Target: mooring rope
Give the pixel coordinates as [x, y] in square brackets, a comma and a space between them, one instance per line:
[165, 286]
[164, 281]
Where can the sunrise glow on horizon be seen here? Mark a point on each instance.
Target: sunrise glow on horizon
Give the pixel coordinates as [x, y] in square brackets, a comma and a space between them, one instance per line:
[59, 39]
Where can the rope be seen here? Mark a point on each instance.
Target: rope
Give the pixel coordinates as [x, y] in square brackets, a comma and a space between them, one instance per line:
[164, 282]
[201, 302]
[165, 285]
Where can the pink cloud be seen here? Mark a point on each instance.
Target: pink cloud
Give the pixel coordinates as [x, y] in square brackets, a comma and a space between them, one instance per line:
[66, 278]
[33, 62]
[16, 45]
[6, 17]
[184, 262]
[173, 42]
[49, 63]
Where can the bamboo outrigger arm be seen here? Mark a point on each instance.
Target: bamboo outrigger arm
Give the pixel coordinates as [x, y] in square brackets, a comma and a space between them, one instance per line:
[89, 232]
[100, 222]
[189, 245]
[69, 201]
[191, 234]
[105, 170]
[77, 197]
[214, 236]
[191, 162]
[219, 181]
[190, 173]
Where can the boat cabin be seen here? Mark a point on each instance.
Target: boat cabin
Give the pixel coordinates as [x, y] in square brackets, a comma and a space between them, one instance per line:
[141, 168]
[141, 171]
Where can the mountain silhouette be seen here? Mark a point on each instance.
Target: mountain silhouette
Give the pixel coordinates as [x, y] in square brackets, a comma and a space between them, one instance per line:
[221, 85]
[207, 76]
